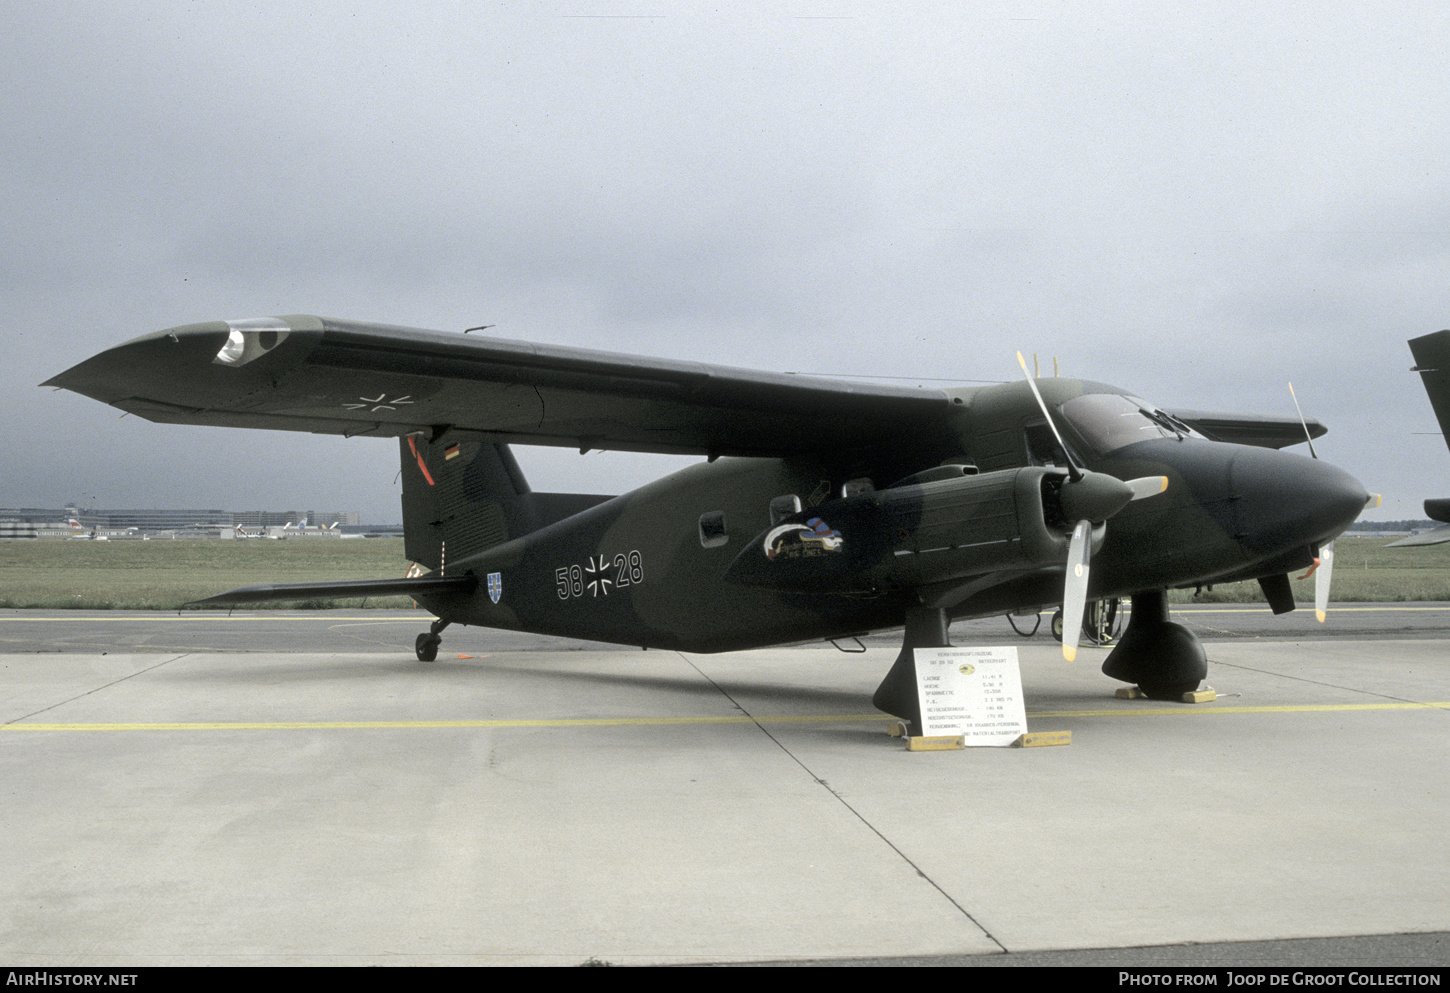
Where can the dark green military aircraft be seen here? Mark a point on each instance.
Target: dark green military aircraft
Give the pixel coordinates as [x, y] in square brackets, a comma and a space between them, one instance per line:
[825, 509]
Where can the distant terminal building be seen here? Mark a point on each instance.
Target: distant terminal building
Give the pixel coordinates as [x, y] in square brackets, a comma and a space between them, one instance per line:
[73, 521]
[17, 529]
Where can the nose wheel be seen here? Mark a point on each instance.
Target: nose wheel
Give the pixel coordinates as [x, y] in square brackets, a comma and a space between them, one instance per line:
[427, 644]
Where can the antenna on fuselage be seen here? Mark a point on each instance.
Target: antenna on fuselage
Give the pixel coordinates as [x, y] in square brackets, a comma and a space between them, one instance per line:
[1036, 373]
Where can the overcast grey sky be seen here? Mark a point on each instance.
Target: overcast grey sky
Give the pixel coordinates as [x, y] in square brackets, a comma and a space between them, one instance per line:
[1200, 202]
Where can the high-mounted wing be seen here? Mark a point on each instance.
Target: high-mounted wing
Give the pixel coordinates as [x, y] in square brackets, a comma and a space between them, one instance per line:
[1250, 429]
[330, 376]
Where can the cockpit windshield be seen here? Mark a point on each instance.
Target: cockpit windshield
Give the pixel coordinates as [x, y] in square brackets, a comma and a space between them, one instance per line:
[1109, 421]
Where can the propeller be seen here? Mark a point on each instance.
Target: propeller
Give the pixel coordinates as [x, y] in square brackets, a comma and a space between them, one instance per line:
[1323, 568]
[1322, 577]
[1303, 423]
[1087, 498]
[1074, 591]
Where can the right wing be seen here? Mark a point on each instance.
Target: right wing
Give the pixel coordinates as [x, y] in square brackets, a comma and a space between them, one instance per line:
[1250, 429]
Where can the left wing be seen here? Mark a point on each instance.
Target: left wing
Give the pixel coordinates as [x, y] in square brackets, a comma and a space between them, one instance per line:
[330, 376]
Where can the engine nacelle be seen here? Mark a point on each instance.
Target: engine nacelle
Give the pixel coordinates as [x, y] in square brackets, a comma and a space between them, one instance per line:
[915, 535]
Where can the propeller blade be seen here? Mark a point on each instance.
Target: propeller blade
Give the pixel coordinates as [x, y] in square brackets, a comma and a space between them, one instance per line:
[1147, 486]
[1074, 593]
[1322, 575]
[1072, 470]
[1324, 565]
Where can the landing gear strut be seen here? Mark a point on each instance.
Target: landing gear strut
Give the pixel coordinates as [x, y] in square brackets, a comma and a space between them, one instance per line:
[427, 644]
[926, 627]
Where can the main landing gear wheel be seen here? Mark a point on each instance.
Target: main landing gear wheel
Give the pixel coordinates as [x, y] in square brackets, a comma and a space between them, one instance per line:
[1162, 657]
[1057, 624]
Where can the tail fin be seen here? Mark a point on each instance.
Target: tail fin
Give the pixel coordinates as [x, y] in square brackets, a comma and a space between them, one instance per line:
[459, 498]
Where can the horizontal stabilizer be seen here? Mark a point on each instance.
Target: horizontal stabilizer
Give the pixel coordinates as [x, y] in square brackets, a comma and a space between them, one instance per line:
[1436, 537]
[340, 589]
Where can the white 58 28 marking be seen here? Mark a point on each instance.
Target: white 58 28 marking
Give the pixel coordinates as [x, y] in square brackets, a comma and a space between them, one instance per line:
[627, 569]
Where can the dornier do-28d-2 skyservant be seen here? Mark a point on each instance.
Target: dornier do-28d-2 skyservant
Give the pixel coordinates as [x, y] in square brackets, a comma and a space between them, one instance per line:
[825, 509]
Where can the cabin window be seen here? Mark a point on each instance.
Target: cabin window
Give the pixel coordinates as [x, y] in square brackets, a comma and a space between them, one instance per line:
[857, 486]
[712, 529]
[784, 506]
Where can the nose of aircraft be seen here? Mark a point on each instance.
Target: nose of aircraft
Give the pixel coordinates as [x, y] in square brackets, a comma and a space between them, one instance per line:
[1281, 500]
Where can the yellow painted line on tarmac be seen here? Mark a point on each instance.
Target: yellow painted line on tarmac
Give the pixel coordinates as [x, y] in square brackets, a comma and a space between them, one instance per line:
[1193, 710]
[566, 722]
[561, 722]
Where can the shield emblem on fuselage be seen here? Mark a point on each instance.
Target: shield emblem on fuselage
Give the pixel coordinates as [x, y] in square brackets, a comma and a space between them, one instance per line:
[495, 586]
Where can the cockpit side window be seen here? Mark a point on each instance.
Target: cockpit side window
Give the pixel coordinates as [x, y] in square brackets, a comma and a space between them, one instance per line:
[1042, 446]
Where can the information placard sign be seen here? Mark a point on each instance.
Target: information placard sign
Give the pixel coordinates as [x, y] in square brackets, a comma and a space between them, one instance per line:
[973, 692]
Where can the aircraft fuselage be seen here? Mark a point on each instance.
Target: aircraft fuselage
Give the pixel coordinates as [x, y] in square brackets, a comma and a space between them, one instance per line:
[829, 548]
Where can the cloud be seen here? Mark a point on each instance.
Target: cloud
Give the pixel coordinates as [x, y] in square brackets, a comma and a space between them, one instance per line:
[1194, 203]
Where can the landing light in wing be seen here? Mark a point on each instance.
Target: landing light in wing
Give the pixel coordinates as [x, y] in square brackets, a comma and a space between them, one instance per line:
[231, 353]
[251, 339]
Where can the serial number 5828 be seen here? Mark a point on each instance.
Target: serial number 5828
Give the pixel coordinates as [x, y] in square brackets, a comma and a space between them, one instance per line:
[598, 575]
